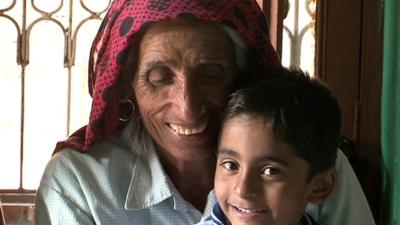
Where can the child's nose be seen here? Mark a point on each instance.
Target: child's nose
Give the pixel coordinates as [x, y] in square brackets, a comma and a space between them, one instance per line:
[247, 187]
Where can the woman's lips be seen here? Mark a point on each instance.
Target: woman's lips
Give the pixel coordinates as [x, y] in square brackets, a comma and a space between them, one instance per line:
[184, 136]
[182, 130]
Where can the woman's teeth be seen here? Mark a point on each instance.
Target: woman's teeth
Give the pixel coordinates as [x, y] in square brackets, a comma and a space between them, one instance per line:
[187, 131]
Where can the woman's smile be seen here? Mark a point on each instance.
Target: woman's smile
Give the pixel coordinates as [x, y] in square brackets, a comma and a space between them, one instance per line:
[182, 130]
[197, 135]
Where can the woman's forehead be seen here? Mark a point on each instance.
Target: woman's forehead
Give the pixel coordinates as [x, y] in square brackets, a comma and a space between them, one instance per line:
[170, 36]
[184, 25]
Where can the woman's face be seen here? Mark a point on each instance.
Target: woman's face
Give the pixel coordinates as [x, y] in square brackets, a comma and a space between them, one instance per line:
[184, 76]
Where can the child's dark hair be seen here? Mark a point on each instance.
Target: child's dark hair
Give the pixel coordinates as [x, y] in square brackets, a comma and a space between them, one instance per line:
[302, 112]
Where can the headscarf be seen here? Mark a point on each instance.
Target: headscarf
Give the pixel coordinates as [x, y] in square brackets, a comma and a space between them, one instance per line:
[116, 35]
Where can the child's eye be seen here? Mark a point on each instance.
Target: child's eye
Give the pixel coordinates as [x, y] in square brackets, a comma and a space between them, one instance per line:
[271, 171]
[230, 165]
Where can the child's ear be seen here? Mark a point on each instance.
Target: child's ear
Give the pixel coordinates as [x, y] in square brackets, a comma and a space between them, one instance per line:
[322, 185]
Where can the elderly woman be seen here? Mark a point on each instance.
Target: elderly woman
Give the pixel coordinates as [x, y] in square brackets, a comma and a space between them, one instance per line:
[160, 76]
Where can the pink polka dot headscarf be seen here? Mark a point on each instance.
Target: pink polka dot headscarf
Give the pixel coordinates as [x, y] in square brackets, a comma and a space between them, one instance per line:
[121, 25]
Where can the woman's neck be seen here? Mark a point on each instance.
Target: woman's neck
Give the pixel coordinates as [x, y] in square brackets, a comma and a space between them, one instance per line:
[189, 175]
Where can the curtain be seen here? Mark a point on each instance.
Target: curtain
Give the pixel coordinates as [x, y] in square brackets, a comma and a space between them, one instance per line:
[390, 214]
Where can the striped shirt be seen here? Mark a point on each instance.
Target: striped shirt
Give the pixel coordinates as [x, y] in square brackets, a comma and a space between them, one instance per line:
[217, 217]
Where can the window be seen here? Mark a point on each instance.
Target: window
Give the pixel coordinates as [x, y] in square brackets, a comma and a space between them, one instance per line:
[43, 86]
[298, 47]
[292, 31]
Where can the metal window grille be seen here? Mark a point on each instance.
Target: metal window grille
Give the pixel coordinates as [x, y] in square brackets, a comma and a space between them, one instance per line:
[42, 81]
[298, 47]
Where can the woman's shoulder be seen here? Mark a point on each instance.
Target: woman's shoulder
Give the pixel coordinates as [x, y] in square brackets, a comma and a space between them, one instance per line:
[102, 154]
[106, 162]
[97, 179]
[117, 149]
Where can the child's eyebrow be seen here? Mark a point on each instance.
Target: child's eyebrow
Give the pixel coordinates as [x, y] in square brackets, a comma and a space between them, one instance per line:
[226, 151]
[230, 152]
[278, 160]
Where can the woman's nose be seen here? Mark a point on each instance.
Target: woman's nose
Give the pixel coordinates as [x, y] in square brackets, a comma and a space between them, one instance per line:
[247, 186]
[189, 101]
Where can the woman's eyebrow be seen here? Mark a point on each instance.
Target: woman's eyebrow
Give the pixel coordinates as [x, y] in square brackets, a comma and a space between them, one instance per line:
[151, 64]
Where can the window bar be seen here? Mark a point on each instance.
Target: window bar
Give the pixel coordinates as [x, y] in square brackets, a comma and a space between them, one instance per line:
[24, 61]
[294, 45]
[22, 127]
[23, 64]
[68, 63]
[16, 27]
[9, 7]
[44, 13]
[93, 13]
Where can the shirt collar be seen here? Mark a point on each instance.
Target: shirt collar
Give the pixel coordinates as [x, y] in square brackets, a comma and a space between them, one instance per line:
[218, 217]
[149, 185]
[306, 219]
[211, 201]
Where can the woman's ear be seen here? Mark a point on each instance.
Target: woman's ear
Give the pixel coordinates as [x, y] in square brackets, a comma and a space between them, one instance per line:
[322, 185]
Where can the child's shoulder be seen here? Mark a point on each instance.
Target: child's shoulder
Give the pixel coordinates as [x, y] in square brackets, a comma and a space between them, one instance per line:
[306, 219]
[207, 221]
[217, 217]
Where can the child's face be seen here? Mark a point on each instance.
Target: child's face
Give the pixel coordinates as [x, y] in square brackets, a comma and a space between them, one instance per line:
[259, 180]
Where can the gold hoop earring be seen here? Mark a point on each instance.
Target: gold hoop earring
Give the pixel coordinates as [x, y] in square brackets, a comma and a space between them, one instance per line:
[123, 109]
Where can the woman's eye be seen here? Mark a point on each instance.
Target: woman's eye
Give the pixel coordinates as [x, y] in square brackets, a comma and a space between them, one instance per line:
[271, 171]
[159, 76]
[229, 165]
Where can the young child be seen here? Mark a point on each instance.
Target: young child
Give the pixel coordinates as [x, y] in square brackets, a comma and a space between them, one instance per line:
[277, 151]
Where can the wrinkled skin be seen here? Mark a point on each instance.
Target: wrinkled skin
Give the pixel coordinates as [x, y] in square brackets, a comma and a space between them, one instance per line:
[184, 76]
[185, 73]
